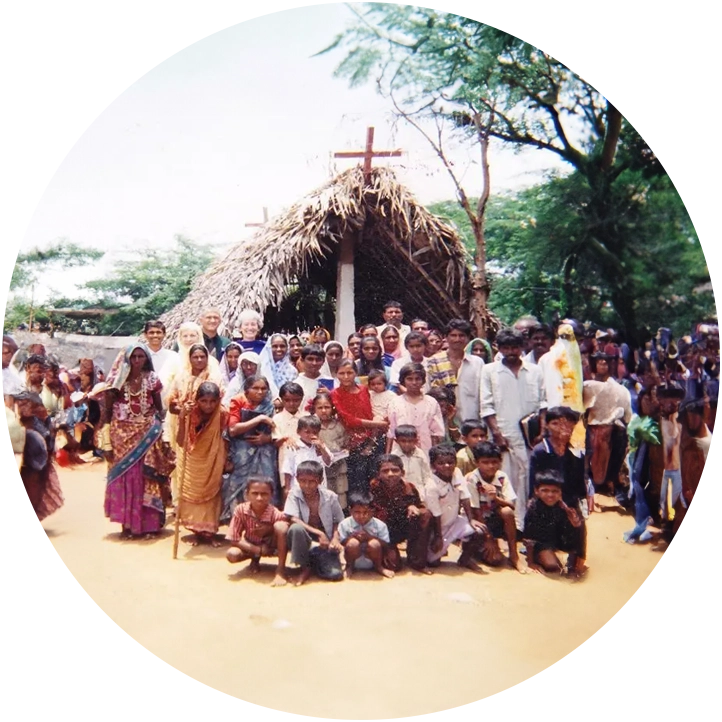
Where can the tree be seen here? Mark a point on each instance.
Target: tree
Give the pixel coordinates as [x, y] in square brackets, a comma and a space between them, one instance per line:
[28, 270]
[468, 73]
[532, 235]
[145, 289]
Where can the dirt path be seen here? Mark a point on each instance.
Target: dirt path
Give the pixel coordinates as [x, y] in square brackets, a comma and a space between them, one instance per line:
[312, 628]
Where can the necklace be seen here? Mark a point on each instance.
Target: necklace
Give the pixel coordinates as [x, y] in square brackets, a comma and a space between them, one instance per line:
[139, 398]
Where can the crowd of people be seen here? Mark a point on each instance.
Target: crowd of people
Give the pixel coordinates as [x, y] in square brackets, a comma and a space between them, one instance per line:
[381, 449]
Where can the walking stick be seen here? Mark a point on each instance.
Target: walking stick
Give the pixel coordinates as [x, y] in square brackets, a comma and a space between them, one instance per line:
[181, 485]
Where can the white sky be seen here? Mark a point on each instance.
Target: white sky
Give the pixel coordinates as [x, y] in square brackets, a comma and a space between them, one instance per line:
[243, 119]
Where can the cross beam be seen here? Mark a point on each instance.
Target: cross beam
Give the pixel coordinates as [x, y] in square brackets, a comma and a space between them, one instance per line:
[368, 154]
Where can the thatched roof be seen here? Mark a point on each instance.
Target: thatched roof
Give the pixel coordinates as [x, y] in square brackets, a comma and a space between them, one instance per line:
[402, 252]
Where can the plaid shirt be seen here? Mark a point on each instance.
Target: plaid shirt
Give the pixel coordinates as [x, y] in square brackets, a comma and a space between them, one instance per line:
[440, 372]
[244, 520]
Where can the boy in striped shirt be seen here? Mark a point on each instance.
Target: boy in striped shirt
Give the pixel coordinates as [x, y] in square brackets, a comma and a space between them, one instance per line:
[258, 529]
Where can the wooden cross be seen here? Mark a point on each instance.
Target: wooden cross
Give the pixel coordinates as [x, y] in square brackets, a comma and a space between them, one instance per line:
[369, 154]
[259, 225]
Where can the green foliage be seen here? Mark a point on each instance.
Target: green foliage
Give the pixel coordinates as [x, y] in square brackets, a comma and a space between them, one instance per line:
[544, 258]
[149, 287]
[62, 253]
[609, 242]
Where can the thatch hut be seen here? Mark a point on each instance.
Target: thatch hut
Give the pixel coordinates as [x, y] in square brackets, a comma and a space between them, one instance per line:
[346, 248]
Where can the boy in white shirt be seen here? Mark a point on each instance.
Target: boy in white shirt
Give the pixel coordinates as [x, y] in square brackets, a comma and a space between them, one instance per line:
[415, 460]
[310, 448]
[492, 500]
[446, 495]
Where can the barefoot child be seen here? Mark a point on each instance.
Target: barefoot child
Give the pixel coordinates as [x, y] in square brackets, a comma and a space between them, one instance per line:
[310, 448]
[550, 526]
[492, 503]
[334, 437]
[415, 461]
[473, 432]
[315, 515]
[446, 495]
[397, 503]
[258, 529]
[364, 537]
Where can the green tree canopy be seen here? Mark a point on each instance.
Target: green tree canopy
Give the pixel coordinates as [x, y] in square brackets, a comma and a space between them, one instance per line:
[144, 289]
[533, 235]
[471, 75]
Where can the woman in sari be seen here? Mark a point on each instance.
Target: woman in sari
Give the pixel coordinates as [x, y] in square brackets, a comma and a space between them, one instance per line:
[189, 333]
[480, 347]
[353, 406]
[295, 344]
[37, 469]
[276, 364]
[390, 341]
[140, 463]
[334, 355]
[251, 449]
[201, 459]
[229, 362]
[200, 367]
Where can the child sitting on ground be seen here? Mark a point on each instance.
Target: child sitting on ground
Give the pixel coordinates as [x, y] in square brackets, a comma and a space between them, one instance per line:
[364, 537]
[446, 495]
[550, 526]
[310, 448]
[397, 503]
[315, 514]
[334, 436]
[415, 408]
[473, 432]
[415, 460]
[286, 421]
[492, 503]
[258, 529]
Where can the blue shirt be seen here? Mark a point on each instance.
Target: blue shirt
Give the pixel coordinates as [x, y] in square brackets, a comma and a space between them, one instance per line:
[329, 508]
[374, 527]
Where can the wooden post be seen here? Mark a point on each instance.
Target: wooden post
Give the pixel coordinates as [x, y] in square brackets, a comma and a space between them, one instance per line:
[345, 289]
[345, 308]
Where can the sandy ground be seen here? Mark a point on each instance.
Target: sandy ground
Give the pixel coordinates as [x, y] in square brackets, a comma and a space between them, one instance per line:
[528, 621]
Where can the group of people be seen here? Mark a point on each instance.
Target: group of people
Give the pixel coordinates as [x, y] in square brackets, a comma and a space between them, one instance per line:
[345, 453]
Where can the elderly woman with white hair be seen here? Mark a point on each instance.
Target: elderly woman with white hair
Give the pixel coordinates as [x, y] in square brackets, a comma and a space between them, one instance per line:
[249, 324]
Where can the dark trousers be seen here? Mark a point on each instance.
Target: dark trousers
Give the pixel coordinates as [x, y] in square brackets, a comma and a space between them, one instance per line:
[417, 533]
[361, 468]
[324, 563]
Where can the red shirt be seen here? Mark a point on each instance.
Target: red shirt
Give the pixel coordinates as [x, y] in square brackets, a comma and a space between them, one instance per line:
[352, 409]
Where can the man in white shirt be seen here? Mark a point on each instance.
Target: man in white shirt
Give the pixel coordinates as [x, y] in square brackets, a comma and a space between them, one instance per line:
[512, 389]
[393, 315]
[154, 334]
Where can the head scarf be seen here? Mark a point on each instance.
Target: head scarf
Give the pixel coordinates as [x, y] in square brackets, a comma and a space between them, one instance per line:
[484, 343]
[184, 349]
[120, 370]
[251, 357]
[326, 369]
[226, 373]
[276, 373]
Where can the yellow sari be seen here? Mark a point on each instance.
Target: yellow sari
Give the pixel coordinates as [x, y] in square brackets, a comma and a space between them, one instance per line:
[201, 459]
